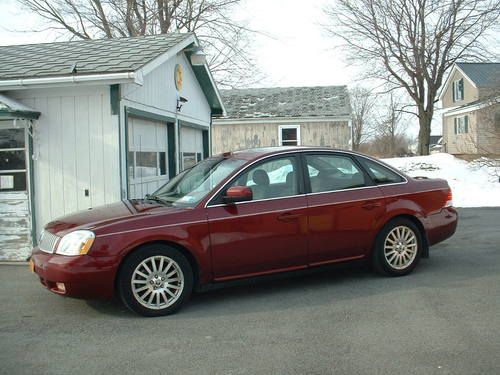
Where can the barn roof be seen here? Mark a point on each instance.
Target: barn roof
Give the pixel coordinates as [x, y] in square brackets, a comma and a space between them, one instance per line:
[287, 102]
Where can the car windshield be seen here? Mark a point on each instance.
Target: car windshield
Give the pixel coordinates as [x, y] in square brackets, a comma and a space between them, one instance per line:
[188, 188]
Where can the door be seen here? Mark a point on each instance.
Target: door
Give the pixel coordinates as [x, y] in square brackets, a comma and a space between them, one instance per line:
[15, 215]
[192, 144]
[147, 156]
[344, 207]
[266, 234]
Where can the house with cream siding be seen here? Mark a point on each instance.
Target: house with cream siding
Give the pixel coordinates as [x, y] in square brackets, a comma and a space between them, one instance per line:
[283, 116]
[471, 109]
[87, 123]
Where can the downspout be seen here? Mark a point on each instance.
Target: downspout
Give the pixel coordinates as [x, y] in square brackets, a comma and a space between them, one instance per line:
[31, 154]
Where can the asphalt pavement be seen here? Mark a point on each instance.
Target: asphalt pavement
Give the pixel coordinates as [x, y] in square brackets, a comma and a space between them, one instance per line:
[442, 319]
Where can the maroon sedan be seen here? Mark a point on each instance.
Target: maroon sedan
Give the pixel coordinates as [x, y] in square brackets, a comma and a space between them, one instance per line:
[245, 214]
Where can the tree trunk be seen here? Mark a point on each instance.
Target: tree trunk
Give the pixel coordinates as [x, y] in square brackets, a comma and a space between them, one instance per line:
[424, 134]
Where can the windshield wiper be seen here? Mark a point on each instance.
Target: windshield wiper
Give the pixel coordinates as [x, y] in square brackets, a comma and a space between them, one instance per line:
[156, 198]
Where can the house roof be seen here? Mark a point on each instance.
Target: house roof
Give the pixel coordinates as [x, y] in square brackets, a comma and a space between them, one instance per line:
[109, 60]
[287, 102]
[95, 56]
[11, 109]
[482, 74]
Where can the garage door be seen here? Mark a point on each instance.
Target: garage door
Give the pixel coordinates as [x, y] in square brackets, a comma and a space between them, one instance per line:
[191, 146]
[147, 156]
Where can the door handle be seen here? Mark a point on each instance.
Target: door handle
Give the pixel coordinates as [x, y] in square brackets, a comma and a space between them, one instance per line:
[371, 205]
[288, 216]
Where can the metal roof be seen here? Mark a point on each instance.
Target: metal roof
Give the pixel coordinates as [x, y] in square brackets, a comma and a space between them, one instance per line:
[482, 74]
[95, 56]
[287, 102]
[10, 109]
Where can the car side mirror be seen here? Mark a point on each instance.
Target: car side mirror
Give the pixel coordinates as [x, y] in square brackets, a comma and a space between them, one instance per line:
[238, 194]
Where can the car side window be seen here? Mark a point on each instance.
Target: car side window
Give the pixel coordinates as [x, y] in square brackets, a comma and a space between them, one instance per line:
[333, 172]
[271, 179]
[379, 173]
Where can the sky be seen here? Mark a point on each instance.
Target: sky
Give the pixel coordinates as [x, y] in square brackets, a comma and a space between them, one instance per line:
[291, 49]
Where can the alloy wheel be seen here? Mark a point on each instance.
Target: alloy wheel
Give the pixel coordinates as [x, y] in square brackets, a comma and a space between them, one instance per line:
[157, 282]
[400, 247]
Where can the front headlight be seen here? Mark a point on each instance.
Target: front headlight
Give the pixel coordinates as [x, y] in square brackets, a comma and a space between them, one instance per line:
[75, 243]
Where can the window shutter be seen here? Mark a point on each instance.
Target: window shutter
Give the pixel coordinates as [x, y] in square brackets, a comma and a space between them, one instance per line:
[466, 124]
[461, 88]
[455, 123]
[453, 90]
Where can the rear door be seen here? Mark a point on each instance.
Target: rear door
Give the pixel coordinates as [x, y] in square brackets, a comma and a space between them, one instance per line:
[267, 234]
[344, 207]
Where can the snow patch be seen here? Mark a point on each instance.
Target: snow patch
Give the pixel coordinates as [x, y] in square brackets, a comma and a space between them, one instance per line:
[474, 184]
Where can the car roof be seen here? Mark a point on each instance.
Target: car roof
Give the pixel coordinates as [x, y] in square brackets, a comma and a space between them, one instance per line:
[257, 153]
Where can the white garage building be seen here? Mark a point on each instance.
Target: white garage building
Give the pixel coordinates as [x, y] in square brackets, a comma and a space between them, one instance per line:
[87, 123]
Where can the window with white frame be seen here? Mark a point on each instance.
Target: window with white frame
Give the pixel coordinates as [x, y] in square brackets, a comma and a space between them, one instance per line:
[458, 90]
[289, 135]
[461, 124]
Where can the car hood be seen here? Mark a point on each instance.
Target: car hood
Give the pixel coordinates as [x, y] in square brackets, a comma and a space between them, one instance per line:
[108, 214]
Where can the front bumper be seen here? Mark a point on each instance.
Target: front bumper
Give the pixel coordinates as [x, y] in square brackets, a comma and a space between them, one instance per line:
[83, 276]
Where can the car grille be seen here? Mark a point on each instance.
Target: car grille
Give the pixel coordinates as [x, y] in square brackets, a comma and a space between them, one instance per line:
[48, 242]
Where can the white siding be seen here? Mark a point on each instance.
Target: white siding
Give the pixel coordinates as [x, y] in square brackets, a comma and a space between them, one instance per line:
[159, 95]
[76, 147]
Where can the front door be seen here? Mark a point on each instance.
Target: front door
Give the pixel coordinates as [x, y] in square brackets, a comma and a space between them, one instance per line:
[344, 208]
[266, 234]
[15, 213]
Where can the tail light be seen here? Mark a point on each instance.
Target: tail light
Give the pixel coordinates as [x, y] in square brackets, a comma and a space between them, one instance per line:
[449, 199]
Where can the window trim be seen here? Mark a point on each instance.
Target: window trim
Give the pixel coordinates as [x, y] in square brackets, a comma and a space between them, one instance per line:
[456, 124]
[372, 178]
[368, 180]
[209, 202]
[457, 94]
[280, 133]
[216, 199]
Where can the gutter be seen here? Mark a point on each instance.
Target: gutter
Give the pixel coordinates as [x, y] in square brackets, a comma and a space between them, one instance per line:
[109, 78]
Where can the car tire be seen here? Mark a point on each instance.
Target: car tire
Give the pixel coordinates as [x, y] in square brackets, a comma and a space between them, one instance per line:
[155, 280]
[398, 248]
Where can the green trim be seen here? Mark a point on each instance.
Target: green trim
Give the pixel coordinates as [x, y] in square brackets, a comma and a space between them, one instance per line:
[125, 136]
[171, 149]
[192, 125]
[6, 114]
[207, 87]
[32, 185]
[148, 115]
[114, 97]
[206, 152]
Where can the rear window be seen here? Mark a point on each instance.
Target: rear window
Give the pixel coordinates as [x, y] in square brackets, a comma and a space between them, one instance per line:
[379, 173]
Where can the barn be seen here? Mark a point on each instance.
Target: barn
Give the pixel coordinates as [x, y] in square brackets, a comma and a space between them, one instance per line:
[283, 116]
[86, 123]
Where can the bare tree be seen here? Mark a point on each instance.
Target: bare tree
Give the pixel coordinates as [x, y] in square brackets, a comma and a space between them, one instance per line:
[226, 41]
[390, 128]
[362, 103]
[413, 43]
[390, 139]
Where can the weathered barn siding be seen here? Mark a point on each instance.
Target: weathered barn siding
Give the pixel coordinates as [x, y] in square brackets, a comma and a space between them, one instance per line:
[76, 143]
[15, 226]
[239, 136]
